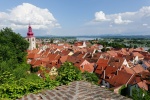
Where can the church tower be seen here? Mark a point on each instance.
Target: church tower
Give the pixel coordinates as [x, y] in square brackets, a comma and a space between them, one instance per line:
[31, 39]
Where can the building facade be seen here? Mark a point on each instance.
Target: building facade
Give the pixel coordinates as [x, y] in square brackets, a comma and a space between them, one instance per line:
[31, 39]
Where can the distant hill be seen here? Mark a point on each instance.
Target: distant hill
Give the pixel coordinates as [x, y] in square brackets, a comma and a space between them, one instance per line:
[98, 36]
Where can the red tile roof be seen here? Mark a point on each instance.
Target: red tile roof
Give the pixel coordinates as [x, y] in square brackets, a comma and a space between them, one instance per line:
[124, 51]
[65, 52]
[135, 79]
[53, 57]
[46, 59]
[143, 85]
[138, 49]
[112, 53]
[138, 68]
[87, 67]
[119, 79]
[45, 54]
[116, 61]
[109, 70]
[131, 50]
[63, 58]
[33, 55]
[74, 59]
[137, 54]
[78, 44]
[127, 70]
[101, 65]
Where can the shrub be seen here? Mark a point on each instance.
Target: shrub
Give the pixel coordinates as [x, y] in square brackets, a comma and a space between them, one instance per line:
[90, 77]
[68, 73]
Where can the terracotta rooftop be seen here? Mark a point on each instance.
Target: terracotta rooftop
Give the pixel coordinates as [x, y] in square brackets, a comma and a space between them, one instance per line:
[112, 53]
[33, 55]
[127, 70]
[143, 85]
[63, 58]
[138, 49]
[101, 65]
[78, 44]
[119, 79]
[88, 67]
[137, 54]
[116, 61]
[138, 68]
[78, 90]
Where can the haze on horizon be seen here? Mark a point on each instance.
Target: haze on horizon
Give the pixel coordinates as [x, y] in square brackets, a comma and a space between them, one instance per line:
[76, 17]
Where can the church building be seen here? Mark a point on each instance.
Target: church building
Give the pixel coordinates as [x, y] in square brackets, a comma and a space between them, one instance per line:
[31, 39]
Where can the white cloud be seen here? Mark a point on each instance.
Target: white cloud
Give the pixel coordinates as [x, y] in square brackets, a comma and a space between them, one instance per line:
[126, 22]
[144, 24]
[20, 16]
[100, 16]
[119, 20]
[144, 11]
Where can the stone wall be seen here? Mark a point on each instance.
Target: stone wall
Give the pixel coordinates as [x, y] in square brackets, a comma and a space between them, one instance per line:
[78, 90]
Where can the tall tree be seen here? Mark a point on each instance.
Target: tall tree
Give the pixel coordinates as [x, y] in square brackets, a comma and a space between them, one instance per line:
[13, 47]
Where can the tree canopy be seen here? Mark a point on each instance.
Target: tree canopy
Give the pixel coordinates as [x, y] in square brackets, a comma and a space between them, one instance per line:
[12, 50]
[68, 73]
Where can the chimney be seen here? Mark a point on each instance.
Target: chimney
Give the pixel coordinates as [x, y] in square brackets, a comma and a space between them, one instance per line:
[116, 72]
[95, 66]
[104, 74]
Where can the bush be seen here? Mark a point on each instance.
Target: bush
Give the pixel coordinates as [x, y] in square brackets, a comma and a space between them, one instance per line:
[90, 77]
[23, 86]
[35, 69]
[68, 73]
[123, 90]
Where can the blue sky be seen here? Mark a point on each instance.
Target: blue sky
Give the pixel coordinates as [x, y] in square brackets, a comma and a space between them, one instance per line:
[76, 17]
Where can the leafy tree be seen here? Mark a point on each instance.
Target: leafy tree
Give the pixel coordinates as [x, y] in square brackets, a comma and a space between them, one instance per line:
[68, 73]
[146, 96]
[90, 77]
[12, 50]
[135, 46]
[35, 69]
[6, 77]
[15, 81]
[123, 90]
[21, 71]
[13, 45]
[105, 49]
[139, 94]
[51, 40]
[149, 50]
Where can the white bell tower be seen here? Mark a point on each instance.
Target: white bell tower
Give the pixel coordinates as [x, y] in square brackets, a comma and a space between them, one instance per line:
[31, 39]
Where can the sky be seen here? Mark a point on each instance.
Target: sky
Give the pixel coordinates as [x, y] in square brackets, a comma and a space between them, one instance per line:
[76, 17]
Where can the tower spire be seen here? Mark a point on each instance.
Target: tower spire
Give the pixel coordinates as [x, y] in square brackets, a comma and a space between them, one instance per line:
[30, 33]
